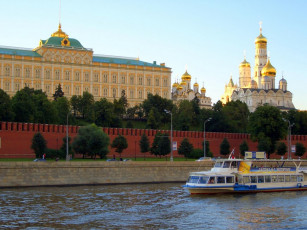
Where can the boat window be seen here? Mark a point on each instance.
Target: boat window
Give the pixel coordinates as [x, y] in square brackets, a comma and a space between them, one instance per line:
[260, 179]
[218, 164]
[226, 164]
[299, 178]
[287, 178]
[267, 179]
[234, 164]
[211, 180]
[246, 179]
[274, 178]
[240, 179]
[281, 178]
[220, 180]
[193, 179]
[293, 178]
[253, 179]
[203, 180]
[229, 179]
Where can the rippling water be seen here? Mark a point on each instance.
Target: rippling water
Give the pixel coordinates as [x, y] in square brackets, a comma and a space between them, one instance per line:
[156, 206]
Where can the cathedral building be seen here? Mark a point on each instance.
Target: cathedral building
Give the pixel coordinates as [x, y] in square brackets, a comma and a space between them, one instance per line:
[262, 88]
[63, 60]
[183, 91]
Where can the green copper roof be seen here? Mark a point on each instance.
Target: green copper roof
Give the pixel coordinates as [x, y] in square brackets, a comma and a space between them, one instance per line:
[56, 41]
[18, 51]
[124, 61]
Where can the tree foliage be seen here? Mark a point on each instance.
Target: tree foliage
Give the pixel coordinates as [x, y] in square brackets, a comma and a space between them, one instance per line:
[281, 148]
[161, 145]
[58, 92]
[119, 143]
[185, 148]
[91, 141]
[243, 148]
[267, 127]
[39, 145]
[144, 144]
[6, 111]
[225, 147]
[300, 149]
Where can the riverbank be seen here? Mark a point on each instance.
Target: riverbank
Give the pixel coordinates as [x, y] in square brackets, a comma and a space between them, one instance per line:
[32, 174]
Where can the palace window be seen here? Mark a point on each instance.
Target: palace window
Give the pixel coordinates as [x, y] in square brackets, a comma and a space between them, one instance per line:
[7, 86]
[140, 94]
[96, 77]
[105, 78]
[105, 92]
[28, 72]
[86, 77]
[47, 74]
[77, 90]
[165, 94]
[67, 90]
[86, 89]
[114, 78]
[157, 81]
[114, 92]
[37, 73]
[148, 81]
[131, 80]
[123, 79]
[37, 86]
[57, 74]
[95, 91]
[131, 94]
[67, 75]
[140, 80]
[165, 82]
[47, 89]
[7, 71]
[17, 86]
[17, 72]
[77, 76]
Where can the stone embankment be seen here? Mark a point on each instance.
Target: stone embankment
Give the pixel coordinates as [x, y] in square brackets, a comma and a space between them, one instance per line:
[26, 174]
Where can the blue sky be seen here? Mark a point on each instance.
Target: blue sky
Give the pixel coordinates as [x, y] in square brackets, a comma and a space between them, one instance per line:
[209, 37]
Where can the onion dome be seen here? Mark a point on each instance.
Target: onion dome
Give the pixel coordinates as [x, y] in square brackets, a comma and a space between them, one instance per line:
[59, 33]
[186, 76]
[179, 87]
[268, 70]
[183, 83]
[261, 39]
[253, 84]
[203, 90]
[195, 84]
[282, 81]
[244, 64]
[175, 85]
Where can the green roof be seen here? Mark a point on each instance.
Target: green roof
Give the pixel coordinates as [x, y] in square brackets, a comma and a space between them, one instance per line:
[56, 41]
[18, 51]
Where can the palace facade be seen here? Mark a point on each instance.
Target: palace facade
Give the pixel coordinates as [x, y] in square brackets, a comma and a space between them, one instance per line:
[63, 60]
[183, 91]
[261, 89]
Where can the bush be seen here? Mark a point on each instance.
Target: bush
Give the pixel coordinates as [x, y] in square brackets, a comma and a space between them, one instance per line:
[54, 153]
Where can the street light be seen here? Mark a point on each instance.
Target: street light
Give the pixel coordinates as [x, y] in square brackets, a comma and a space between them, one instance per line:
[169, 112]
[209, 119]
[289, 137]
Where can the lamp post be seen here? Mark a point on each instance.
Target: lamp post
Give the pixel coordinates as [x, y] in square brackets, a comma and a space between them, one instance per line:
[167, 111]
[205, 135]
[289, 137]
[67, 156]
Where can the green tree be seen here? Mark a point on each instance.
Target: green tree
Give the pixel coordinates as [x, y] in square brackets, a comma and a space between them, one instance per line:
[103, 113]
[90, 141]
[185, 148]
[184, 116]
[86, 106]
[281, 148]
[154, 150]
[119, 143]
[45, 111]
[144, 144]
[58, 92]
[24, 106]
[120, 105]
[39, 145]
[219, 122]
[267, 126]
[152, 120]
[264, 144]
[243, 148]
[300, 149]
[75, 102]
[62, 108]
[63, 148]
[164, 145]
[129, 125]
[225, 147]
[6, 110]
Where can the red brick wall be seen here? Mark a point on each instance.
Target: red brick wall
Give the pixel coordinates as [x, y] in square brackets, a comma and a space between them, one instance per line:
[16, 139]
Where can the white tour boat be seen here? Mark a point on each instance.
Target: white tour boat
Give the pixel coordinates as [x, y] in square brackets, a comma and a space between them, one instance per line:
[255, 173]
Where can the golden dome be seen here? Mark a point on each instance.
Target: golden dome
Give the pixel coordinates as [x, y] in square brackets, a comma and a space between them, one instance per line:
[186, 76]
[268, 70]
[196, 84]
[183, 83]
[179, 87]
[175, 84]
[203, 90]
[261, 39]
[59, 33]
[245, 63]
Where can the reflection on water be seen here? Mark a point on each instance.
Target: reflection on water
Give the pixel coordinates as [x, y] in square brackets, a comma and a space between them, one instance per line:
[157, 206]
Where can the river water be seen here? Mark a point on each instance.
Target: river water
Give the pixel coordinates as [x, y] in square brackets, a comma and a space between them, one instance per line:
[149, 206]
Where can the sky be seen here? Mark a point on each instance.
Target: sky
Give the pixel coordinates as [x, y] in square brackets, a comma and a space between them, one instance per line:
[206, 37]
